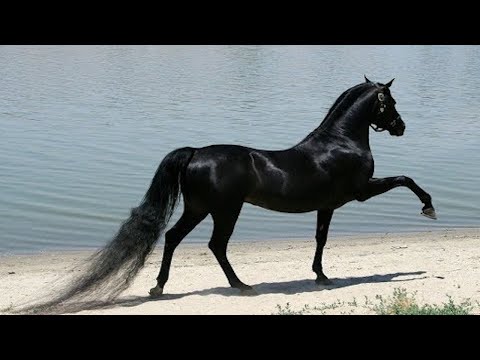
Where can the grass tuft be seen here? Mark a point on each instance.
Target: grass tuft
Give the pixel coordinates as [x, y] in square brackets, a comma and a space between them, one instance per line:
[403, 303]
[400, 303]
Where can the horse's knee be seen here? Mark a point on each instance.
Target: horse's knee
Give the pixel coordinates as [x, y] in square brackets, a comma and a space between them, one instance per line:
[405, 180]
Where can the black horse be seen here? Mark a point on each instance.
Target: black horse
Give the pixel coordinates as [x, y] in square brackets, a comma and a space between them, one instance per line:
[330, 167]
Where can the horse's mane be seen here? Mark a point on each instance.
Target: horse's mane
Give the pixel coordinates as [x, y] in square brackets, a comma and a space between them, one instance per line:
[342, 104]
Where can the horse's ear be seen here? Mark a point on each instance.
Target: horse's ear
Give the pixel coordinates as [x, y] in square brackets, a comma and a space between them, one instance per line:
[389, 83]
[366, 79]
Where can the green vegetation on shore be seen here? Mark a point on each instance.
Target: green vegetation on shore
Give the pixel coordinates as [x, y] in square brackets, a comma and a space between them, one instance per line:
[400, 303]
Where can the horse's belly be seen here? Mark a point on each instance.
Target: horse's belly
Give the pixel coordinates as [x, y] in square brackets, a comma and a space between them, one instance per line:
[281, 206]
[306, 203]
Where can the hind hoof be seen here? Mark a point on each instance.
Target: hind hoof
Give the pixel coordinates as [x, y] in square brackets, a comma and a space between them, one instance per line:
[429, 213]
[156, 291]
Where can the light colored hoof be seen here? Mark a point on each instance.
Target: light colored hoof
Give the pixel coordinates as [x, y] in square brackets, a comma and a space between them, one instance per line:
[156, 291]
[429, 213]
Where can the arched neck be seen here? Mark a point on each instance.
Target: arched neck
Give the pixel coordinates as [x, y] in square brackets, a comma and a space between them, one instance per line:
[353, 122]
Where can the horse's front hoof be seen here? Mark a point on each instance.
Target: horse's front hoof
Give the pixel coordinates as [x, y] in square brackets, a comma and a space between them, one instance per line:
[429, 213]
[156, 291]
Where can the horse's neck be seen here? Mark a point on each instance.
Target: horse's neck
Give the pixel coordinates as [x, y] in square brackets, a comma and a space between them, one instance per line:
[352, 127]
[355, 128]
[351, 124]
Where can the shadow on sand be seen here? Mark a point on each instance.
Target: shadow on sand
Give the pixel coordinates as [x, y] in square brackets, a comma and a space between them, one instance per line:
[284, 287]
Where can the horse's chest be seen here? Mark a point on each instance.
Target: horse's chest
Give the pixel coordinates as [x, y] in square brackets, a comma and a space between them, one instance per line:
[341, 178]
[347, 166]
[365, 166]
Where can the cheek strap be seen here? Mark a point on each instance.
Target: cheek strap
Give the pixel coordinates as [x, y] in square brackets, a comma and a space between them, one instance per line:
[381, 109]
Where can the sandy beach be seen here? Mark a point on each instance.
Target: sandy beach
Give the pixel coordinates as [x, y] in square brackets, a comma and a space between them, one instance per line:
[433, 264]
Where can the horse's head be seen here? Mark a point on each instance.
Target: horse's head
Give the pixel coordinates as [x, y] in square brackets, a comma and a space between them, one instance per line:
[386, 116]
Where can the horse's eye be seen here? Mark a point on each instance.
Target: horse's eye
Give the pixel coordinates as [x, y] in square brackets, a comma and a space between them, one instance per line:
[381, 96]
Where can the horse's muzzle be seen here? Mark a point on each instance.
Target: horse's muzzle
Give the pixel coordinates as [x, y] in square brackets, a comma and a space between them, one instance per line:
[398, 127]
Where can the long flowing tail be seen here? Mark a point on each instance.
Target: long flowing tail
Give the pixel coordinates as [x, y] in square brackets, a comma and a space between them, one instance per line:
[112, 269]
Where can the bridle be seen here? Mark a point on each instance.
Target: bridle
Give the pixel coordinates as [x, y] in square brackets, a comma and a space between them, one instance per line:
[379, 129]
[381, 109]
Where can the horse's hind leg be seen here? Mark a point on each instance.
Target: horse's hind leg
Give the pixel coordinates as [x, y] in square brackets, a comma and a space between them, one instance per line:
[173, 237]
[223, 225]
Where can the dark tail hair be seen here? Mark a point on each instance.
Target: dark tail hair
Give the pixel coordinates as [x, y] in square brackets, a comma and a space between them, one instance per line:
[111, 270]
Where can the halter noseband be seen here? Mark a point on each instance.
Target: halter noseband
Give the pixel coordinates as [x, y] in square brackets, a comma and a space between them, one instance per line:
[379, 129]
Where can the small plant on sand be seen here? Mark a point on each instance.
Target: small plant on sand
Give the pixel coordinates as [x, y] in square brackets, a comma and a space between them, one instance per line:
[287, 310]
[8, 308]
[353, 303]
[309, 310]
[402, 303]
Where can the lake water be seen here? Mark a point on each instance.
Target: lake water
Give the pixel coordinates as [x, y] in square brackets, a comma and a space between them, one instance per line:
[85, 127]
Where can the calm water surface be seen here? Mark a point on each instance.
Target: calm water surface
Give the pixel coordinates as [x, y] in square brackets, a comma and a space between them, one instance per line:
[84, 128]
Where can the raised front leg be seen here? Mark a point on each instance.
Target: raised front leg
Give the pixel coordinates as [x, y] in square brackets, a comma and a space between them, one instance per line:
[379, 186]
[323, 223]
